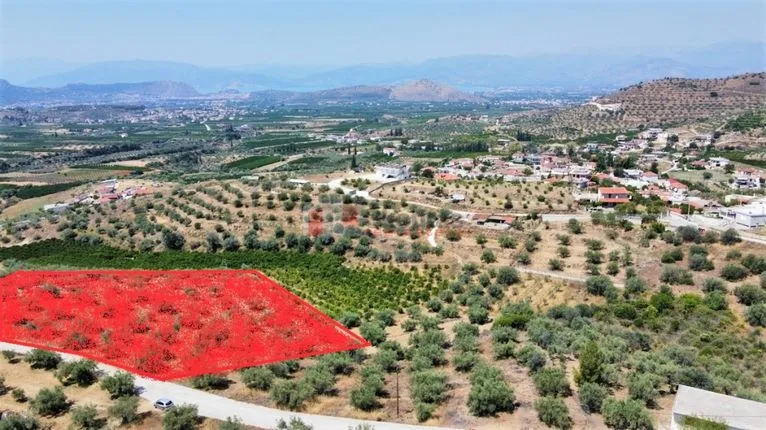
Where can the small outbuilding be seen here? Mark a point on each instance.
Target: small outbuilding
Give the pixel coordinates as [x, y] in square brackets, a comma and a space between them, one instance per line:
[734, 412]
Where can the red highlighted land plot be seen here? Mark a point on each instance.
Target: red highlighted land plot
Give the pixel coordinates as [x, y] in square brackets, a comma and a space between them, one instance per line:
[166, 324]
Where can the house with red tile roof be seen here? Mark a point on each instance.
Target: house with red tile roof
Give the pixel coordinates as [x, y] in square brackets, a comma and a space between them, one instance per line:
[613, 195]
[677, 186]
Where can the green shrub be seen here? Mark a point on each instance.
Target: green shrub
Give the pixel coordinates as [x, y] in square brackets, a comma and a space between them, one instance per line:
[210, 382]
[350, 319]
[259, 378]
[626, 414]
[555, 264]
[734, 272]
[673, 255]
[698, 262]
[339, 363]
[574, 226]
[9, 355]
[49, 402]
[598, 285]
[756, 315]
[373, 332]
[423, 411]
[434, 305]
[19, 422]
[465, 361]
[515, 315]
[232, 423]
[41, 359]
[386, 317]
[80, 372]
[635, 285]
[125, 409]
[320, 378]
[295, 423]
[716, 301]
[501, 351]
[85, 417]
[730, 237]
[183, 417]
[644, 387]
[552, 381]
[532, 356]
[19, 395]
[524, 258]
[591, 397]
[119, 385]
[553, 412]
[748, 294]
[448, 312]
[364, 398]
[429, 386]
[489, 393]
[478, 315]
[756, 264]
[591, 364]
[675, 275]
[714, 284]
[291, 394]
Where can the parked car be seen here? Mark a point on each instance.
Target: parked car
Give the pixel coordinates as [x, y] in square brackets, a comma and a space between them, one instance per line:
[163, 404]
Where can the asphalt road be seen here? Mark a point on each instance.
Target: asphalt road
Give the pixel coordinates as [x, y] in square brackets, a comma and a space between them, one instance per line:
[213, 406]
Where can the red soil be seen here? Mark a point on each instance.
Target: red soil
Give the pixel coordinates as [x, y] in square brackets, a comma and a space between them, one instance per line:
[166, 324]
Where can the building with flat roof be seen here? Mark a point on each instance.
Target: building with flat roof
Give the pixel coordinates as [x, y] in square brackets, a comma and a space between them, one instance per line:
[751, 215]
[734, 412]
[392, 171]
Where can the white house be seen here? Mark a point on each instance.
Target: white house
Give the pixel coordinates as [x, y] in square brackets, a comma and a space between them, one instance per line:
[392, 171]
[391, 152]
[56, 207]
[717, 162]
[747, 178]
[580, 172]
[734, 412]
[458, 197]
[750, 215]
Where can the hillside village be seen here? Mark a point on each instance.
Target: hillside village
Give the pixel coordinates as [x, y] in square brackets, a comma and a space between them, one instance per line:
[480, 258]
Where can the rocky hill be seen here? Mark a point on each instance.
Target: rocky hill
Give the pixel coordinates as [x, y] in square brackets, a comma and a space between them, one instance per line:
[418, 91]
[664, 102]
[428, 91]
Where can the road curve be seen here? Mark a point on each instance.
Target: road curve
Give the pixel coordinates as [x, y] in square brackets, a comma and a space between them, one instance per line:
[213, 406]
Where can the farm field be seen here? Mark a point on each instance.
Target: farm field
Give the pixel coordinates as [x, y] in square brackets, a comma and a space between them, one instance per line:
[483, 196]
[253, 162]
[167, 324]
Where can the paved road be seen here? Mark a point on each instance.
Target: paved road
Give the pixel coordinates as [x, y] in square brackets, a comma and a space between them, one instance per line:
[218, 407]
[718, 224]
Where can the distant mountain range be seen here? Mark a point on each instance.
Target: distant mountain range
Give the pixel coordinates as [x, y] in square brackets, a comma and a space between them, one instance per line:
[417, 91]
[87, 93]
[600, 71]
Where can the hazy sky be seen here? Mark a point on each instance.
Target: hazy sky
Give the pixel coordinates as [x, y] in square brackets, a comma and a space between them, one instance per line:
[339, 33]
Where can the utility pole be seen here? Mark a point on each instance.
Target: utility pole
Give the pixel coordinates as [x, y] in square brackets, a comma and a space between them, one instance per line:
[397, 392]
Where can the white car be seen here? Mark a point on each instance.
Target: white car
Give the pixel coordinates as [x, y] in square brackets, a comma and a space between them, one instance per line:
[163, 404]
